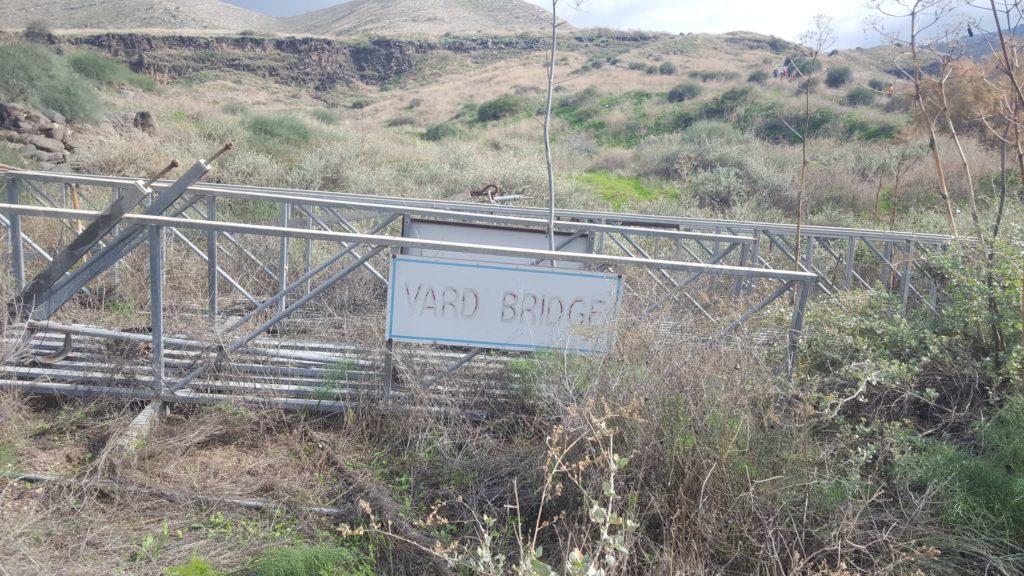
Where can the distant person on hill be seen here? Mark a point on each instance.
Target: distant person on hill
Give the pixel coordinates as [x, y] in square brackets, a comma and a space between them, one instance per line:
[891, 89]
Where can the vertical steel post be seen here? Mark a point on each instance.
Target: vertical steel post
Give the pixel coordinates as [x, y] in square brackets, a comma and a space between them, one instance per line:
[211, 259]
[887, 266]
[282, 264]
[389, 367]
[740, 280]
[156, 305]
[809, 257]
[755, 259]
[908, 268]
[115, 195]
[17, 248]
[797, 326]
[309, 250]
[851, 254]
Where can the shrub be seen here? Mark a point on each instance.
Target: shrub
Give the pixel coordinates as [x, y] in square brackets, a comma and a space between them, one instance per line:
[838, 77]
[652, 69]
[860, 96]
[279, 128]
[501, 107]
[667, 69]
[876, 85]
[359, 104]
[637, 66]
[441, 131]
[684, 92]
[400, 121]
[37, 31]
[757, 77]
[106, 71]
[35, 76]
[861, 129]
[709, 75]
[728, 102]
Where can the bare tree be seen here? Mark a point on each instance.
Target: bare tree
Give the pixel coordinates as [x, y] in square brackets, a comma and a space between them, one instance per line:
[924, 16]
[555, 24]
[819, 40]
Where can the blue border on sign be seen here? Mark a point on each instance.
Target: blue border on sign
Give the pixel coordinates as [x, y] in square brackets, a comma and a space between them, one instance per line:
[522, 268]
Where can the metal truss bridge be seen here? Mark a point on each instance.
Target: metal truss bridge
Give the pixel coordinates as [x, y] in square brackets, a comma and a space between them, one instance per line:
[185, 292]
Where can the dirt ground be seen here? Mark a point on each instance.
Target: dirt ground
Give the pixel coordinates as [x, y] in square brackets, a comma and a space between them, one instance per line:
[159, 506]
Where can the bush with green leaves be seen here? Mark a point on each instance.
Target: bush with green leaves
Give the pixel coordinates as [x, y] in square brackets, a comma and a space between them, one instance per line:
[34, 75]
[979, 491]
[860, 96]
[728, 103]
[684, 92]
[757, 77]
[107, 71]
[876, 85]
[504, 106]
[442, 131]
[838, 77]
[667, 69]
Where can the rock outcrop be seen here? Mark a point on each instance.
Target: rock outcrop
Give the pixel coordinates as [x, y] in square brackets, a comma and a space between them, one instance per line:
[38, 137]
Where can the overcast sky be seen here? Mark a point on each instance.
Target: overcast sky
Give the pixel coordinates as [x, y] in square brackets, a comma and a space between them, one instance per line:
[786, 19]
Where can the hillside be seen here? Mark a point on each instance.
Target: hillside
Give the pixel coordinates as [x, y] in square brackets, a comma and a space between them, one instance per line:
[132, 14]
[407, 17]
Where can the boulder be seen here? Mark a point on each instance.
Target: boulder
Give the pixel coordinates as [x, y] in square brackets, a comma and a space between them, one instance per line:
[46, 144]
[56, 131]
[144, 121]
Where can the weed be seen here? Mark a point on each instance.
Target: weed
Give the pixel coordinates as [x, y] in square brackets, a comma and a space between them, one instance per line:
[194, 567]
[321, 560]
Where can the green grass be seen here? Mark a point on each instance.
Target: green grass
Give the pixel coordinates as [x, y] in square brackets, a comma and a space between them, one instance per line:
[324, 116]
[320, 560]
[278, 132]
[8, 457]
[106, 71]
[621, 190]
[10, 157]
[195, 567]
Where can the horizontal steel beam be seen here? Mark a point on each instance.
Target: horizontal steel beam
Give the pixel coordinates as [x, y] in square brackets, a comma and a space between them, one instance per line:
[398, 242]
[407, 204]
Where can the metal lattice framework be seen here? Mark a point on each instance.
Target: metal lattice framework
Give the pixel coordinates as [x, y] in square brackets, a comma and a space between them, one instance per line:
[266, 257]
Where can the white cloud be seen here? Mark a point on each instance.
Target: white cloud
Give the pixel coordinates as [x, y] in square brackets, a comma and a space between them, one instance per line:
[787, 19]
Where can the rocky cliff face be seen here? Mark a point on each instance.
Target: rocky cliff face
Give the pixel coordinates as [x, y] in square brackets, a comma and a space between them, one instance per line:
[317, 62]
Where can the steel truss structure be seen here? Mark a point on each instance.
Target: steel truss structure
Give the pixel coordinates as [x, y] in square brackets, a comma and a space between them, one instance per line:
[266, 256]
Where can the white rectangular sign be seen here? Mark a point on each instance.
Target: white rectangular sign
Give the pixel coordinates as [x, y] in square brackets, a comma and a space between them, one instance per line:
[461, 303]
[491, 236]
